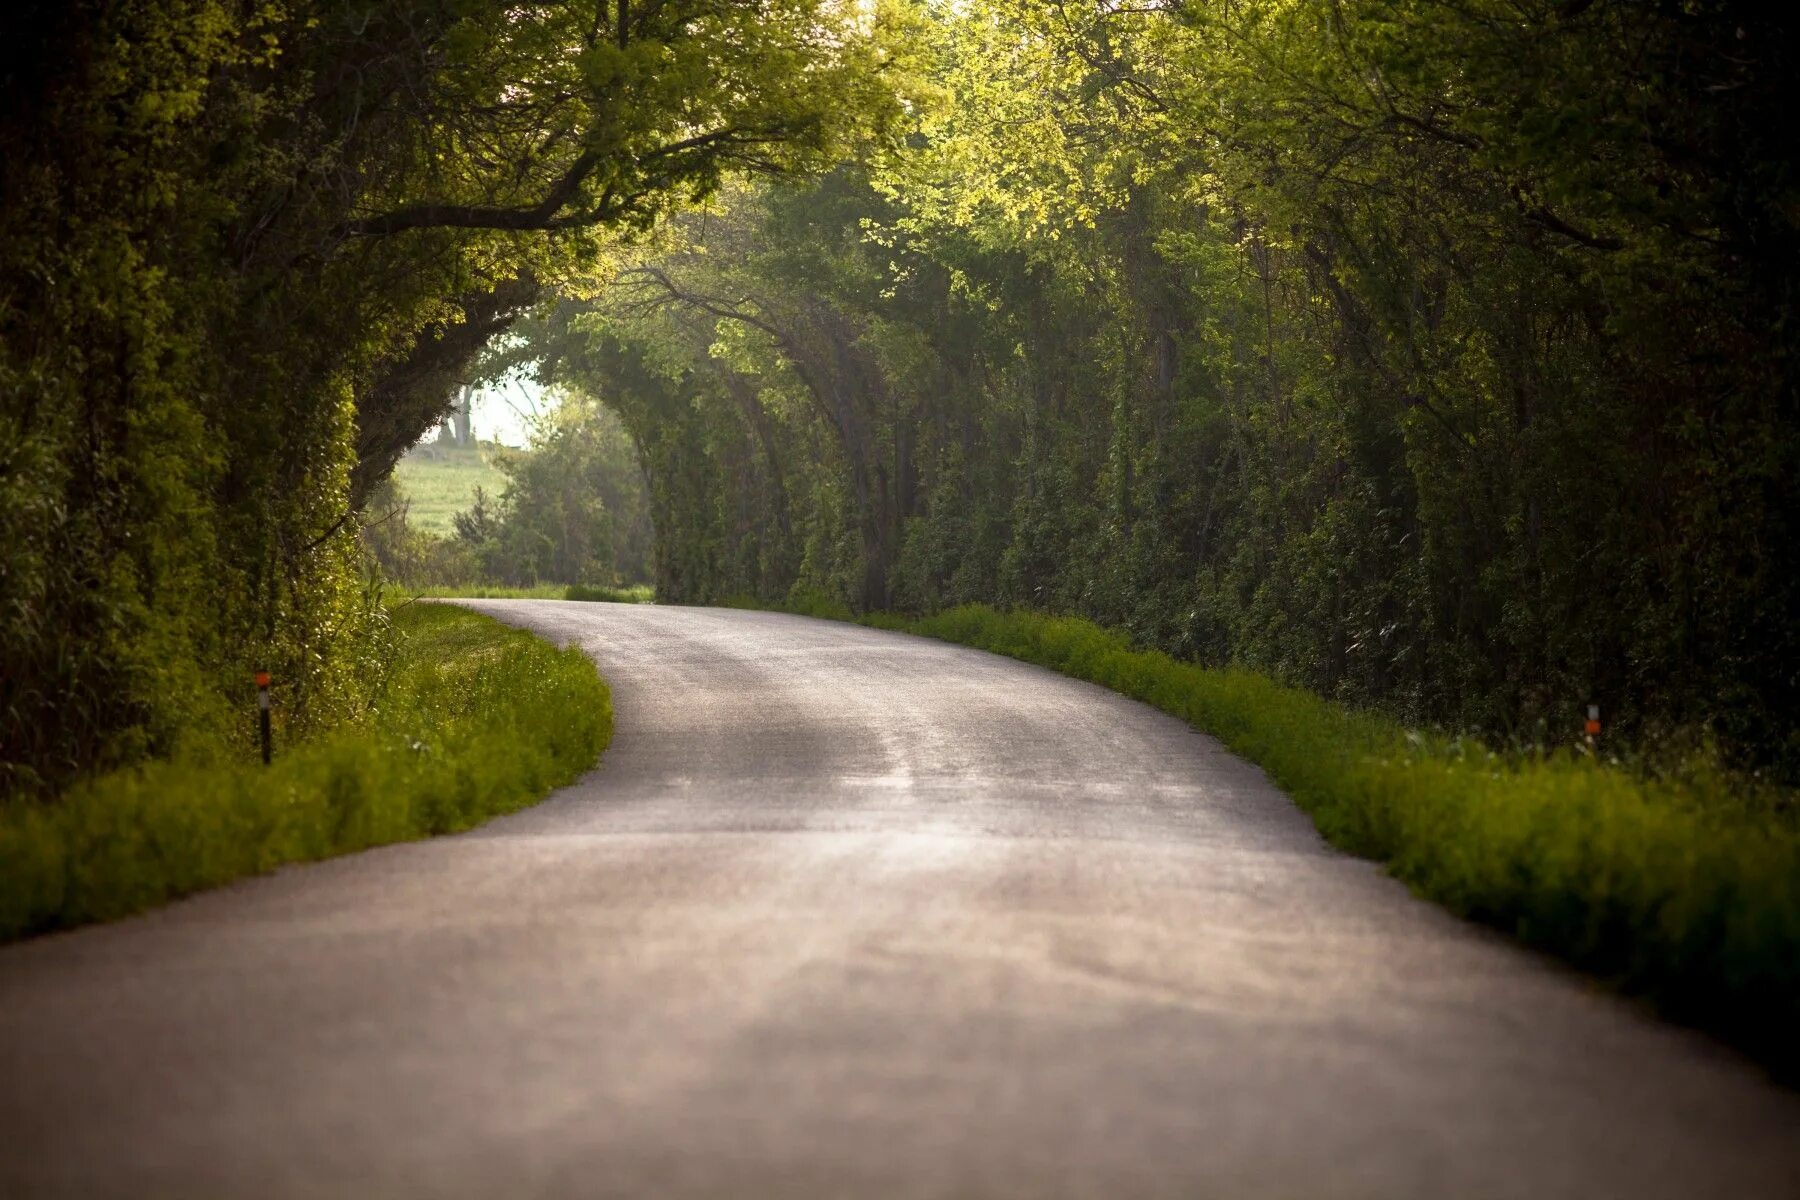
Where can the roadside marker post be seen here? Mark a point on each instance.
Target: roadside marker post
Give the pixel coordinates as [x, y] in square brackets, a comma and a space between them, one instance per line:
[1592, 728]
[262, 714]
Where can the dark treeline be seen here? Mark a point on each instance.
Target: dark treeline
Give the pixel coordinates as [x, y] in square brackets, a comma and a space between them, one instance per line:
[1435, 355]
[247, 250]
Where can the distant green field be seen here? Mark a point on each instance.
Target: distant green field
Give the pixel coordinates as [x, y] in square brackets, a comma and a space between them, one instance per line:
[442, 483]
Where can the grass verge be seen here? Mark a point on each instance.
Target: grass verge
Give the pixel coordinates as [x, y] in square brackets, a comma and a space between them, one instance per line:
[1681, 887]
[476, 720]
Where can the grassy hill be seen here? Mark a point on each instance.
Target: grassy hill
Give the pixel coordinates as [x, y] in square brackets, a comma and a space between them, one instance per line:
[441, 481]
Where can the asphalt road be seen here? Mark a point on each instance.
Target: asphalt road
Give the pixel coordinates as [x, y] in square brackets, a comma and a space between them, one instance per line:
[845, 913]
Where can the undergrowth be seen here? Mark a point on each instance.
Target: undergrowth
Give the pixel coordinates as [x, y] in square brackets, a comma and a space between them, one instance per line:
[1675, 886]
[474, 720]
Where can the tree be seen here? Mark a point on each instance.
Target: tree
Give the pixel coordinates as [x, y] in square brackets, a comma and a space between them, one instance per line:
[1428, 354]
[246, 250]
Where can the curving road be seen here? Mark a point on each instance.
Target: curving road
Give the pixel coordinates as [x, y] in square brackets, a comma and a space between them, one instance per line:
[846, 913]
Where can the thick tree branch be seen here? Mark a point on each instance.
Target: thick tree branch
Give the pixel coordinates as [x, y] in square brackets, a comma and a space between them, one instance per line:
[1538, 214]
[411, 392]
[706, 304]
[549, 214]
[481, 216]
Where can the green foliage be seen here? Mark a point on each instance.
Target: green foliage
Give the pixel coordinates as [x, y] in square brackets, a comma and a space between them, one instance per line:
[472, 720]
[572, 511]
[1437, 357]
[245, 249]
[1431, 356]
[1674, 886]
[437, 483]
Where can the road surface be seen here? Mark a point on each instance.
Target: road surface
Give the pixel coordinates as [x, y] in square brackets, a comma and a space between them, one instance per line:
[846, 913]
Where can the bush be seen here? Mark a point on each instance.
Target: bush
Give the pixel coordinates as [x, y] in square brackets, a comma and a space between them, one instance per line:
[474, 720]
[1683, 887]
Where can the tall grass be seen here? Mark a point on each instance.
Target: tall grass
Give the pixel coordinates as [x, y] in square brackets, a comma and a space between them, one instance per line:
[1681, 887]
[475, 720]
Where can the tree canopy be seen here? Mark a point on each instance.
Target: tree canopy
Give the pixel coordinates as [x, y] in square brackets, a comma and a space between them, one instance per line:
[248, 248]
[1436, 354]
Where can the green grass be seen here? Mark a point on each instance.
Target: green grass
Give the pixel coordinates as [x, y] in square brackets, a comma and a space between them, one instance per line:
[1680, 887]
[476, 719]
[641, 593]
[441, 483]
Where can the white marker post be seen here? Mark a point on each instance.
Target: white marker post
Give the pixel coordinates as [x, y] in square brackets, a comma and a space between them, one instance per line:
[1592, 727]
[262, 713]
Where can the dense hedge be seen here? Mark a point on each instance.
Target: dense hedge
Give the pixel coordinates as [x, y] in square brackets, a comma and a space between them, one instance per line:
[1681, 888]
[475, 720]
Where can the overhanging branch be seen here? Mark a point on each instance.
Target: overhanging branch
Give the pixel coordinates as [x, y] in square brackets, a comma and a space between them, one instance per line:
[549, 213]
[481, 216]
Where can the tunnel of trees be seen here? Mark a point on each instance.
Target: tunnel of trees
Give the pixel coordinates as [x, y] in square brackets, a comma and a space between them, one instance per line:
[1433, 354]
[248, 248]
